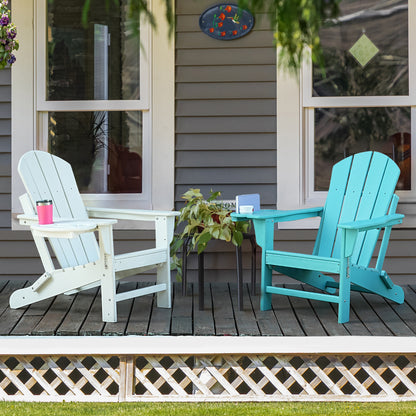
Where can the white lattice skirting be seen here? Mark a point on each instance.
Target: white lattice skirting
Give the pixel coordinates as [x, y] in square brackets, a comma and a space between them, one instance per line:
[207, 369]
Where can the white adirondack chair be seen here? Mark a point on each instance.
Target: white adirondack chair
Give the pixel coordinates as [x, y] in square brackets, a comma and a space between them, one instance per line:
[84, 263]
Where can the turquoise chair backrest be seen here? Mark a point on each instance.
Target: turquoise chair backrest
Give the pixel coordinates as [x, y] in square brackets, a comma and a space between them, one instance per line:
[362, 187]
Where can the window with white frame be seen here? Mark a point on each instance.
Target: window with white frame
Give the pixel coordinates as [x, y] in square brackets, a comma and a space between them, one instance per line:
[85, 94]
[363, 98]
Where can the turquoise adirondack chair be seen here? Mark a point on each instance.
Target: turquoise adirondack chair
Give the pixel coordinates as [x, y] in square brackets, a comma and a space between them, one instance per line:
[360, 202]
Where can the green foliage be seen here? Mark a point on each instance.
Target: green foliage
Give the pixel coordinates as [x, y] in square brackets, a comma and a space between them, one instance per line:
[295, 23]
[204, 220]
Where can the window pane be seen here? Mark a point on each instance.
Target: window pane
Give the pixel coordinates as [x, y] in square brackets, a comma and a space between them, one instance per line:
[341, 132]
[104, 148]
[97, 62]
[366, 50]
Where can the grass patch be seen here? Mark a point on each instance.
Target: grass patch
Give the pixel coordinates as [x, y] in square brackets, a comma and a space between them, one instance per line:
[209, 409]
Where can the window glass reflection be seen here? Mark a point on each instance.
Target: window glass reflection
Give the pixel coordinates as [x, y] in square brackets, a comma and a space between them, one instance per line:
[365, 50]
[341, 132]
[103, 148]
[97, 62]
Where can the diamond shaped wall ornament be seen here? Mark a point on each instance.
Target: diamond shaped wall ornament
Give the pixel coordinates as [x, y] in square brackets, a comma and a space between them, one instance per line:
[363, 50]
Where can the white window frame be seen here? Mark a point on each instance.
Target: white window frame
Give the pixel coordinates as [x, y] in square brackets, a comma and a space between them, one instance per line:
[295, 134]
[29, 108]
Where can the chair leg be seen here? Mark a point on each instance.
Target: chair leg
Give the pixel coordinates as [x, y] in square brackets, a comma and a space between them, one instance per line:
[164, 298]
[201, 280]
[108, 296]
[344, 292]
[238, 254]
[253, 264]
[266, 280]
[108, 278]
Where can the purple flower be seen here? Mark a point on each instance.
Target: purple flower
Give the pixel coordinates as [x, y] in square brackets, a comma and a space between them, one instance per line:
[5, 2]
[4, 20]
[11, 60]
[11, 33]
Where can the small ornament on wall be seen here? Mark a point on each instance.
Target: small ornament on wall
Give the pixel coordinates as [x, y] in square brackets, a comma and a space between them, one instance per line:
[226, 21]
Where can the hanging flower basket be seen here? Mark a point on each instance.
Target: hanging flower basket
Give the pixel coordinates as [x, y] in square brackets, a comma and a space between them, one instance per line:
[8, 41]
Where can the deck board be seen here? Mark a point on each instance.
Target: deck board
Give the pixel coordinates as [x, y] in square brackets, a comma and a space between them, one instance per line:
[286, 316]
[223, 310]
[181, 316]
[245, 319]
[140, 314]
[123, 312]
[307, 318]
[266, 320]
[203, 320]
[328, 318]
[93, 324]
[80, 314]
[50, 322]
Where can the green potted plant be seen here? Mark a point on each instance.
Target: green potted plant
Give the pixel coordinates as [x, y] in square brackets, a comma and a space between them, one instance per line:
[204, 219]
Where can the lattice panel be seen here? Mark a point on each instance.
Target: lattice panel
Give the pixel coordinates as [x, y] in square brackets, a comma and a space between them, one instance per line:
[276, 377]
[56, 376]
[220, 377]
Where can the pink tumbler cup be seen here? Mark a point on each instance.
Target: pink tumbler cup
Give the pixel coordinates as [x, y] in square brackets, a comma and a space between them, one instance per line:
[45, 211]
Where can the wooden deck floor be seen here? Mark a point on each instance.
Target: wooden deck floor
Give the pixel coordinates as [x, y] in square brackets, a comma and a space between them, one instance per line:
[80, 315]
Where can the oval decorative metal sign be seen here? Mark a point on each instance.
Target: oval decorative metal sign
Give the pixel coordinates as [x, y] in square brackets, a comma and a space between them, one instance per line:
[226, 21]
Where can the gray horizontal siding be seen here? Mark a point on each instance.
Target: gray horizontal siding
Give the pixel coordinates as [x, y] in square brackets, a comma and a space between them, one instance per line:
[226, 141]
[238, 124]
[225, 90]
[225, 56]
[223, 158]
[229, 73]
[5, 149]
[5, 185]
[222, 108]
[225, 175]
[225, 109]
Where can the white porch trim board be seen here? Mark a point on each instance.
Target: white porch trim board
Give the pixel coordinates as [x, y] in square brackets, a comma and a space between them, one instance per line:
[195, 345]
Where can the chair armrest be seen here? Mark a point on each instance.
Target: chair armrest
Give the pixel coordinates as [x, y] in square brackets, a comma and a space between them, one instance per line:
[373, 223]
[279, 215]
[68, 228]
[129, 214]
[28, 219]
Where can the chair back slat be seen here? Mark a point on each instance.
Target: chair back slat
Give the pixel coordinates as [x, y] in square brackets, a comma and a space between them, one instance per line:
[357, 179]
[387, 184]
[49, 177]
[327, 231]
[370, 178]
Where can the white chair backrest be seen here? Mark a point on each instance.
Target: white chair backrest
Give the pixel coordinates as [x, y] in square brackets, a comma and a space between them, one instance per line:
[48, 177]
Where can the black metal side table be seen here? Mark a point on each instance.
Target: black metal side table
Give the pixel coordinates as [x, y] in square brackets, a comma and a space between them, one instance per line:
[239, 261]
